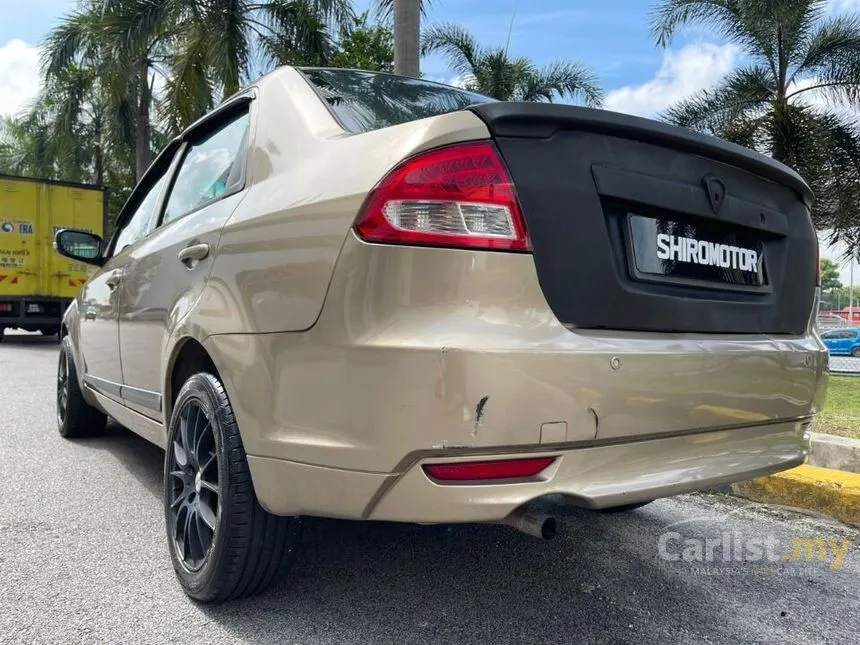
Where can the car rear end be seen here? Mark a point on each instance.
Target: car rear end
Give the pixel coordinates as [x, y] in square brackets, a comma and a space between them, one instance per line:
[580, 303]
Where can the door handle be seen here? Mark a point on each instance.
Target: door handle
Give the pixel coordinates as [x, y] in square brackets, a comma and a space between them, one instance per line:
[193, 253]
[113, 280]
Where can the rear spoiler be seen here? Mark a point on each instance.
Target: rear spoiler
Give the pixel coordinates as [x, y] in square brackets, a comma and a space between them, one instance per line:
[543, 120]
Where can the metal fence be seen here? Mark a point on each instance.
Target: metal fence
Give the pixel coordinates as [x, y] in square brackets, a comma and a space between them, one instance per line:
[847, 365]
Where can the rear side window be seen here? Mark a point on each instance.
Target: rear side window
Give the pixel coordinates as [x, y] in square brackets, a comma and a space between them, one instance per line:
[365, 101]
[212, 169]
[141, 221]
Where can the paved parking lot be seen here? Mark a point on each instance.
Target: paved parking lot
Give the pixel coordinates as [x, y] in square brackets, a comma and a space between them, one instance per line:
[83, 559]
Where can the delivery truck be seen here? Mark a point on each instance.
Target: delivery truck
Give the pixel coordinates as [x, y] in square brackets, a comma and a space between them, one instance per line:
[36, 283]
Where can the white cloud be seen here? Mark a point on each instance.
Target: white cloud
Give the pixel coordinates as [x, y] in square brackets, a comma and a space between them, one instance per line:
[19, 76]
[692, 68]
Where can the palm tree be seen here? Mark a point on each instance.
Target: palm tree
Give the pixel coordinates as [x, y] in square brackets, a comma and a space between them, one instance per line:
[492, 71]
[793, 53]
[125, 41]
[407, 29]
[203, 50]
[26, 147]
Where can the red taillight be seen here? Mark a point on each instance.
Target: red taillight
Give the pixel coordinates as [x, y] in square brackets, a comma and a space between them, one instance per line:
[460, 196]
[475, 470]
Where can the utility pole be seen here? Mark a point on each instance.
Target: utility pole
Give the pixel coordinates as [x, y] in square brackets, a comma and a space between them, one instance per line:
[851, 293]
[407, 32]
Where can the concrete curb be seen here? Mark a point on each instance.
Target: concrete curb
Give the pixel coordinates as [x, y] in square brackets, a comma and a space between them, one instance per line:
[830, 492]
[830, 451]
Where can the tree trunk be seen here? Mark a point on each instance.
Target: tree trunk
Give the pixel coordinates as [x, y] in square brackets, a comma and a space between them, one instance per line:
[143, 153]
[100, 164]
[407, 27]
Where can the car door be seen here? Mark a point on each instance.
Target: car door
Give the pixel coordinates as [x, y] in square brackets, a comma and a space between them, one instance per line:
[99, 299]
[843, 345]
[829, 338]
[166, 273]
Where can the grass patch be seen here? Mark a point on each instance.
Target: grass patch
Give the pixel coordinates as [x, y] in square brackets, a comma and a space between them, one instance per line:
[841, 413]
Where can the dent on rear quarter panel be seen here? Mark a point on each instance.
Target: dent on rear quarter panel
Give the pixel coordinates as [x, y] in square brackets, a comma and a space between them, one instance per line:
[308, 182]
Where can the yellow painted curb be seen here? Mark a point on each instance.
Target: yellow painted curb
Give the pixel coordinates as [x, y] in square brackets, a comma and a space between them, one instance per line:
[830, 492]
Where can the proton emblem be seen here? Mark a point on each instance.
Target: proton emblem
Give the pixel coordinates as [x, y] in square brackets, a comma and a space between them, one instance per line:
[716, 190]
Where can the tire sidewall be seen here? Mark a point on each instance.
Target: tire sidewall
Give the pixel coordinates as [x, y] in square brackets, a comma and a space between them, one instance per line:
[66, 355]
[200, 388]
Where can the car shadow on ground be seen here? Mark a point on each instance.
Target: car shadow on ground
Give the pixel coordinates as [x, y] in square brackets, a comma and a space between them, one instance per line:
[142, 459]
[460, 583]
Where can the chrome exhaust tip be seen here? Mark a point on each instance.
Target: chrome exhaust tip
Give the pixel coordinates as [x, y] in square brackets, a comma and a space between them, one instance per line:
[534, 523]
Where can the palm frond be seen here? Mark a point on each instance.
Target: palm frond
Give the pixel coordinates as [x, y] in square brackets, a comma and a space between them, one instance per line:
[299, 34]
[460, 49]
[131, 29]
[723, 16]
[189, 92]
[831, 56]
[74, 38]
[746, 91]
[752, 24]
[385, 8]
[563, 79]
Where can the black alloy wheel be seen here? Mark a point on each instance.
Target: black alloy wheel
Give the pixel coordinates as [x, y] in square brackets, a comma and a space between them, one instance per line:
[195, 491]
[75, 417]
[62, 388]
[223, 544]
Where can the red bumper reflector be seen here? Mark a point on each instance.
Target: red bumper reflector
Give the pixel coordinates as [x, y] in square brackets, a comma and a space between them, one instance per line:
[477, 470]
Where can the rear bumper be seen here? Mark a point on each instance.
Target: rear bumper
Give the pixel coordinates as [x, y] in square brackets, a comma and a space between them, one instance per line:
[598, 476]
[411, 359]
[23, 313]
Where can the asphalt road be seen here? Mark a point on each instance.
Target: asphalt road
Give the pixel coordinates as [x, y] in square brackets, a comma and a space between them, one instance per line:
[83, 559]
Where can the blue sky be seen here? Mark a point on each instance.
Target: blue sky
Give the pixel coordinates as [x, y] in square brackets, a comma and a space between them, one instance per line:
[610, 36]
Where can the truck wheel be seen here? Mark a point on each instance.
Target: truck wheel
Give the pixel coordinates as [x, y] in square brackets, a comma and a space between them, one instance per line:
[52, 331]
[222, 543]
[75, 417]
[2, 333]
[855, 352]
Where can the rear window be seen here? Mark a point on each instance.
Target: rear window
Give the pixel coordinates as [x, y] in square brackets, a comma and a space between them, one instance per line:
[365, 101]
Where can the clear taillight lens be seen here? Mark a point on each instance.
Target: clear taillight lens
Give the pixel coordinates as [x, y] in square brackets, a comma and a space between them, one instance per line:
[460, 196]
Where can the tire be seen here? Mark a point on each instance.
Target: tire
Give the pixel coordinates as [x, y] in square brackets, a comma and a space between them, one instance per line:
[855, 352]
[75, 417]
[222, 543]
[2, 333]
[53, 331]
[626, 508]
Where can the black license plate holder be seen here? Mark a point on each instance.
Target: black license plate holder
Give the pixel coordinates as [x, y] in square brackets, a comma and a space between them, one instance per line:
[705, 254]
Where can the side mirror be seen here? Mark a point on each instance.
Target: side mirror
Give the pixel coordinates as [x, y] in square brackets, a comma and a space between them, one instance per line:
[79, 245]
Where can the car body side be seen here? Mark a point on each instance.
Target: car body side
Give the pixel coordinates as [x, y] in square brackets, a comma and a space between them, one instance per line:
[350, 365]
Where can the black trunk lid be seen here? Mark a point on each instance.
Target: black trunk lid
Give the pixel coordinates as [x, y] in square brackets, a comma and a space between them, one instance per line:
[638, 225]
